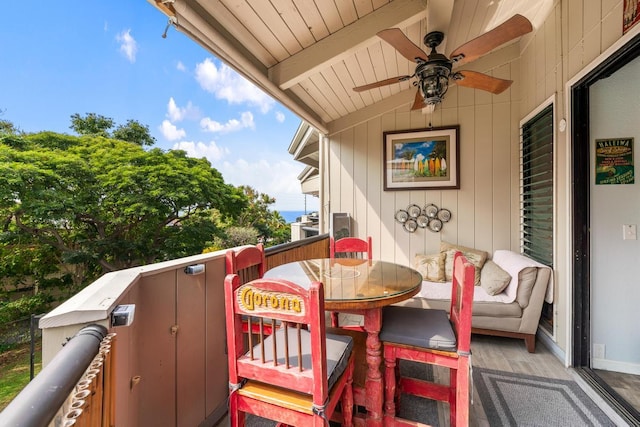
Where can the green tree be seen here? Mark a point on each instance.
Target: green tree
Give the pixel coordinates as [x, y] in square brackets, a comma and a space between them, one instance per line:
[91, 124]
[272, 227]
[6, 127]
[98, 125]
[135, 132]
[106, 204]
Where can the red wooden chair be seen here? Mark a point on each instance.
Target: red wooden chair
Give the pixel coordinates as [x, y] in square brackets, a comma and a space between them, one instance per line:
[430, 336]
[349, 247]
[295, 376]
[248, 262]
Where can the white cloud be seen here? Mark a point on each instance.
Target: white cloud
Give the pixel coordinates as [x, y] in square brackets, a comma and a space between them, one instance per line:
[171, 132]
[177, 114]
[246, 121]
[280, 116]
[128, 45]
[180, 66]
[267, 177]
[211, 151]
[226, 84]
[284, 185]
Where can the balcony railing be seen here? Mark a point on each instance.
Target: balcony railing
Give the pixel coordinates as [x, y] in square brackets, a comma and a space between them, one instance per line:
[170, 366]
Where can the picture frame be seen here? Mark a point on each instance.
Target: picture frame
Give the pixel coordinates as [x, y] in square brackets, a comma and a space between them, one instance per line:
[422, 159]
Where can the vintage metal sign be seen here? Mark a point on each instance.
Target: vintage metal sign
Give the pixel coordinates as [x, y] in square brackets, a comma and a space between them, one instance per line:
[614, 161]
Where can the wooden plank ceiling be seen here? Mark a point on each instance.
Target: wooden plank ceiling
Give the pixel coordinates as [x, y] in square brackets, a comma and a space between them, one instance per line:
[309, 54]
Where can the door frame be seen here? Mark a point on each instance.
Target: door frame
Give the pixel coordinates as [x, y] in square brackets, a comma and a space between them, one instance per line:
[623, 52]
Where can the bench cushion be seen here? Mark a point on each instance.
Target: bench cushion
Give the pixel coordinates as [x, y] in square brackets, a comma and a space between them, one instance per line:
[338, 347]
[418, 327]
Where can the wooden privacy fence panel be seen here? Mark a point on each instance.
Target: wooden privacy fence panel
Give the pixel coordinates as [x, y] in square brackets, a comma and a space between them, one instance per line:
[309, 248]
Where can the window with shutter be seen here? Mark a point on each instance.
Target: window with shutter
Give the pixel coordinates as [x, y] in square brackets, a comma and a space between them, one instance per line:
[536, 193]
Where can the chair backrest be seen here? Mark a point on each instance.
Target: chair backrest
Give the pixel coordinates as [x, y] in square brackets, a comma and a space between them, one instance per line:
[301, 363]
[248, 262]
[462, 289]
[351, 246]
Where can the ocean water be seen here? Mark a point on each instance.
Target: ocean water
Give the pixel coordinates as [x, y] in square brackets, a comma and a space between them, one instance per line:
[291, 216]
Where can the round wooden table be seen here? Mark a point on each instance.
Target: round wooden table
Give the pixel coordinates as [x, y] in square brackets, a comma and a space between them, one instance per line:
[358, 286]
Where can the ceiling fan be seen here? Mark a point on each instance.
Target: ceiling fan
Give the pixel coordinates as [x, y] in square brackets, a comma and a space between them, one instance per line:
[433, 71]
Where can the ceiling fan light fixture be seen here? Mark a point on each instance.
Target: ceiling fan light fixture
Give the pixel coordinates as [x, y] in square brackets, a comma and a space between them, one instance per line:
[433, 82]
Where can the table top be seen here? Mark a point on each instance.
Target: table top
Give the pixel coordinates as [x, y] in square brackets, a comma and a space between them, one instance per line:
[353, 283]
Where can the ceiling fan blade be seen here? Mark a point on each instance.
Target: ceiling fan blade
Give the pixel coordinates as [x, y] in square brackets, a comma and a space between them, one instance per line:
[418, 103]
[512, 28]
[381, 83]
[481, 81]
[396, 38]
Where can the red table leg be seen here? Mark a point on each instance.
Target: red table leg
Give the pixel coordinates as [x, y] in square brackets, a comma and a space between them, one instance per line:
[373, 385]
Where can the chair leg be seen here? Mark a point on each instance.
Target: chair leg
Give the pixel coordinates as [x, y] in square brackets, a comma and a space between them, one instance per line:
[236, 418]
[335, 321]
[462, 393]
[390, 394]
[347, 400]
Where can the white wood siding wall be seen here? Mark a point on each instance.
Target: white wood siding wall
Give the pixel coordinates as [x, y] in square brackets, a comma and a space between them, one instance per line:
[482, 214]
[485, 210]
[573, 35]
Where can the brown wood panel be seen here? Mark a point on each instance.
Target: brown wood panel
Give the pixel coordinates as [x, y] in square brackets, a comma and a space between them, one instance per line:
[155, 315]
[190, 357]
[216, 357]
[316, 248]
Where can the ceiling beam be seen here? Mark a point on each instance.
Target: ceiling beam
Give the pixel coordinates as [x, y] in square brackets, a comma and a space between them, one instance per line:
[341, 44]
[406, 97]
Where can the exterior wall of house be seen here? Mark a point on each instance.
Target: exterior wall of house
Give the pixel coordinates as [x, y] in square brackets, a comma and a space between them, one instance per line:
[574, 34]
[485, 210]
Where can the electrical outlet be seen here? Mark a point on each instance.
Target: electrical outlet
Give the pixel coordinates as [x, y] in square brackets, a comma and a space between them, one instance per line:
[598, 351]
[629, 232]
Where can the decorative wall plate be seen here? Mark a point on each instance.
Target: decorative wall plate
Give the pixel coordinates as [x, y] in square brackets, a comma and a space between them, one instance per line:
[444, 215]
[414, 211]
[411, 225]
[435, 225]
[423, 221]
[402, 216]
[431, 210]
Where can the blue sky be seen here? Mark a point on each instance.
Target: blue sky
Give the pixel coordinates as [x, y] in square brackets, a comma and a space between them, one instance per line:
[109, 58]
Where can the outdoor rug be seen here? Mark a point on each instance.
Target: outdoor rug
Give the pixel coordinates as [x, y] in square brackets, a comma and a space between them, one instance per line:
[512, 399]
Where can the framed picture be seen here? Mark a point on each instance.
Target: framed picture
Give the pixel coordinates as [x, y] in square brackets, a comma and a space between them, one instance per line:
[422, 159]
[630, 14]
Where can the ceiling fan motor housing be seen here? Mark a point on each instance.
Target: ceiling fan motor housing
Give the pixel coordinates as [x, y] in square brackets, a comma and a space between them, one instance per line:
[433, 78]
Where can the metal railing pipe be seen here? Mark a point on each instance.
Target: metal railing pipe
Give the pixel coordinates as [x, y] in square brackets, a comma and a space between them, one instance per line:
[38, 403]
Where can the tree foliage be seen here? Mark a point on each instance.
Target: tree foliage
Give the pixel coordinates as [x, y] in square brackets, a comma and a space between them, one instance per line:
[105, 204]
[98, 125]
[256, 223]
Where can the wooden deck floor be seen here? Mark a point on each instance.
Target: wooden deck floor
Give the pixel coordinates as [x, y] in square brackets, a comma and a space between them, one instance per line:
[510, 355]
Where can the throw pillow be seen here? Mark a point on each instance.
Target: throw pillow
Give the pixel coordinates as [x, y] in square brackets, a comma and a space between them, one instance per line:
[474, 256]
[526, 279]
[493, 279]
[430, 266]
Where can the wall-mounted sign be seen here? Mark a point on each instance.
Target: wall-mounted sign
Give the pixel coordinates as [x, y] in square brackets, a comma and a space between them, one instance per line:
[614, 161]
